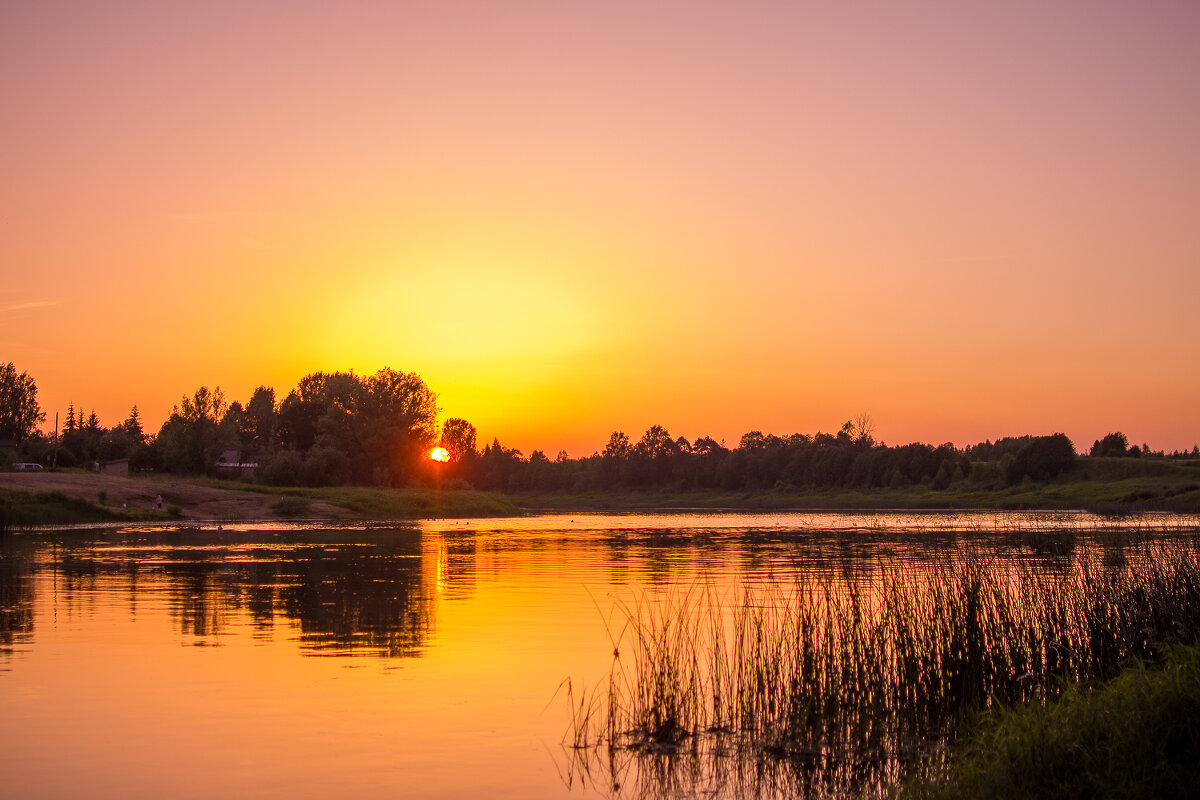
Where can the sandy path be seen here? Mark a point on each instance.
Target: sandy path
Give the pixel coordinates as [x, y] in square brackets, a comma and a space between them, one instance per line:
[139, 493]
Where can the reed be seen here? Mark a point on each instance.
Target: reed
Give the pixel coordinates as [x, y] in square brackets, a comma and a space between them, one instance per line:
[864, 675]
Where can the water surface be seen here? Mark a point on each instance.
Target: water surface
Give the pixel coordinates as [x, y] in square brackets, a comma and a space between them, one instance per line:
[421, 660]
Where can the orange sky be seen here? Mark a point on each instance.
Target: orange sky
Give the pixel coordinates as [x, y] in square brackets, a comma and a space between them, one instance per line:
[967, 219]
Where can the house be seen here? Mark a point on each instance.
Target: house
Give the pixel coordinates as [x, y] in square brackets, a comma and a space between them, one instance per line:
[118, 466]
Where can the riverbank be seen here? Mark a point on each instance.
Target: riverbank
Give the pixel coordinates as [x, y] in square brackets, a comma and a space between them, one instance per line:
[1110, 486]
[48, 498]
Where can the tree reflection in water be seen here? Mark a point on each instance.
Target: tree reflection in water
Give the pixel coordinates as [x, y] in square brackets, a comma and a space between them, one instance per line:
[16, 595]
[367, 594]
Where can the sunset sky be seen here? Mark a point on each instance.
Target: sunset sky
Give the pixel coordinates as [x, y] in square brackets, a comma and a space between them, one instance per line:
[967, 219]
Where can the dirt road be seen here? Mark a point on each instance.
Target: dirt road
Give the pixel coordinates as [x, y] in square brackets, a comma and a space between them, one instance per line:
[139, 493]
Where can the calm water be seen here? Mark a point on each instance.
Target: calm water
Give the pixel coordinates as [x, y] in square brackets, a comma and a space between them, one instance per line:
[411, 660]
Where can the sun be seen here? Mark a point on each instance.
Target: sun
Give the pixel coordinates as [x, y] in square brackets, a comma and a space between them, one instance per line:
[439, 454]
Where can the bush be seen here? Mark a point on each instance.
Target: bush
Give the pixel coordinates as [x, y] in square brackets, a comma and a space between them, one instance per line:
[283, 469]
[324, 466]
[290, 507]
[1138, 736]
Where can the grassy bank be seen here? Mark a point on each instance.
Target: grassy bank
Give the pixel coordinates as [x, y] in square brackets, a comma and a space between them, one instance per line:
[1105, 485]
[1136, 737]
[376, 503]
[74, 496]
[20, 509]
[1099, 484]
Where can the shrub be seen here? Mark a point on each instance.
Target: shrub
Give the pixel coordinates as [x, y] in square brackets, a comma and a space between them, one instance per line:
[283, 469]
[290, 507]
[1137, 736]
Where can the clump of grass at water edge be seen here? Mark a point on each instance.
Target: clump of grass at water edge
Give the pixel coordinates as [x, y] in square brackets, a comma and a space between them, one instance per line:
[1137, 736]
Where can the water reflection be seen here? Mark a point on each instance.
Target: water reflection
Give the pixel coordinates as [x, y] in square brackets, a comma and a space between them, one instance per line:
[16, 596]
[486, 617]
[344, 592]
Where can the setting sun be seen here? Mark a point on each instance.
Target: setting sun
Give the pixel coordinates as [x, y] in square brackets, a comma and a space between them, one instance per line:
[439, 454]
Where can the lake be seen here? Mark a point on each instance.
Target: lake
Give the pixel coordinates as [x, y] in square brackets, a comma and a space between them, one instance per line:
[415, 660]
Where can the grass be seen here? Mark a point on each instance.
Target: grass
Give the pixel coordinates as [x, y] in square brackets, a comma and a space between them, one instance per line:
[290, 507]
[861, 677]
[380, 503]
[1135, 737]
[20, 509]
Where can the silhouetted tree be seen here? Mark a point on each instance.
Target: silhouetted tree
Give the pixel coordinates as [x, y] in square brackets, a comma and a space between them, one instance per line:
[1043, 458]
[132, 426]
[614, 464]
[618, 446]
[498, 466]
[19, 409]
[862, 430]
[458, 437]
[315, 395]
[383, 425]
[401, 416]
[1112, 445]
[653, 455]
[193, 437]
[257, 432]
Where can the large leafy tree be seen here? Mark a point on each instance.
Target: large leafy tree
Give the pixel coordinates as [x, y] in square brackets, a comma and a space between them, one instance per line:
[19, 410]
[402, 412]
[259, 421]
[380, 425]
[458, 437]
[305, 408]
[1113, 445]
[193, 436]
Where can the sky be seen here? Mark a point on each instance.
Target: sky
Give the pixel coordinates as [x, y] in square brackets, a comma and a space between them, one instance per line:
[965, 219]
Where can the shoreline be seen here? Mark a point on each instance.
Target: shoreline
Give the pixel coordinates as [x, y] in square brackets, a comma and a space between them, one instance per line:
[77, 497]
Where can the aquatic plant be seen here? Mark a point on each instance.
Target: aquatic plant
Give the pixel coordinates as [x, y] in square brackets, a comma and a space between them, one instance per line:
[861, 674]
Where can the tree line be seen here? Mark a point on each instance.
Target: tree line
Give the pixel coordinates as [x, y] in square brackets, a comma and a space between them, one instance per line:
[848, 459]
[341, 428]
[332, 428]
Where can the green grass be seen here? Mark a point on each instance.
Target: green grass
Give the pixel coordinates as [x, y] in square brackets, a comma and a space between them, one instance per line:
[20, 509]
[379, 503]
[1136, 737]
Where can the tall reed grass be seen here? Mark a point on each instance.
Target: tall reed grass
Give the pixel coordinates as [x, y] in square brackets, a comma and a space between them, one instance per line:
[860, 676]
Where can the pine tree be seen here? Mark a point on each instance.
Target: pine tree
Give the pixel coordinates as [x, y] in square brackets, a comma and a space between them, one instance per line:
[133, 425]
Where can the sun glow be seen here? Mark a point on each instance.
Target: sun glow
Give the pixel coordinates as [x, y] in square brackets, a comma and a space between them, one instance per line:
[439, 454]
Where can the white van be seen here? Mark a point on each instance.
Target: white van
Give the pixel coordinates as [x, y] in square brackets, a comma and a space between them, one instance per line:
[23, 467]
